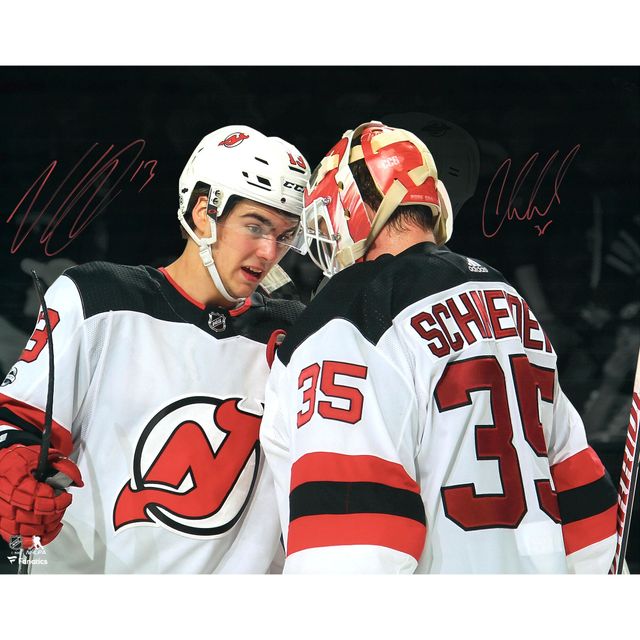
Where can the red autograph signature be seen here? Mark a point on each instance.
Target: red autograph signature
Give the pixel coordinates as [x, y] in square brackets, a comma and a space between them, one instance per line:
[85, 200]
[492, 222]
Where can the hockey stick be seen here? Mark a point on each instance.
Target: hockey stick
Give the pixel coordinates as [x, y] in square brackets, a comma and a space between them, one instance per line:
[24, 566]
[41, 471]
[628, 478]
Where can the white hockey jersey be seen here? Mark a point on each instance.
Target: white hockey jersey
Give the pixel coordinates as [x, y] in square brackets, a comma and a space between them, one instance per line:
[158, 399]
[414, 423]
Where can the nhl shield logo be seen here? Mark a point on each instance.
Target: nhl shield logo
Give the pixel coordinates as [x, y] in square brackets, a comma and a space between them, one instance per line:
[15, 543]
[217, 322]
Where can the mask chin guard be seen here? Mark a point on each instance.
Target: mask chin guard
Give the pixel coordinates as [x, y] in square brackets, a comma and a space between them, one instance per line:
[276, 277]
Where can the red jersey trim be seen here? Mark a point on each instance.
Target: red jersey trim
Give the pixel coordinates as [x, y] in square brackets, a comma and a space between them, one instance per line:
[179, 289]
[337, 467]
[275, 339]
[240, 310]
[394, 532]
[60, 437]
[577, 470]
[582, 533]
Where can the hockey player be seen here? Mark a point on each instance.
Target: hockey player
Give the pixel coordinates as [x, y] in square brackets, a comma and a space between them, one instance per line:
[414, 420]
[159, 385]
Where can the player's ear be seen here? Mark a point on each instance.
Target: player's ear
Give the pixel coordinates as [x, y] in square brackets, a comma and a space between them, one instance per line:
[199, 214]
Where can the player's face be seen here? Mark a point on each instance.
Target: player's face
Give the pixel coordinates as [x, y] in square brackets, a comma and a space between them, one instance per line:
[251, 239]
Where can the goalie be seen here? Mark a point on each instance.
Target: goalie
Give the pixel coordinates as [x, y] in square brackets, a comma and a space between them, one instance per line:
[414, 418]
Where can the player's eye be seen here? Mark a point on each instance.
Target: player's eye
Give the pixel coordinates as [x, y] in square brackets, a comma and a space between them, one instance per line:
[317, 228]
[255, 230]
[288, 236]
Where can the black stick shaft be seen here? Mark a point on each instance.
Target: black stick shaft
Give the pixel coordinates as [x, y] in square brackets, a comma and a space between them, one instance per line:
[41, 471]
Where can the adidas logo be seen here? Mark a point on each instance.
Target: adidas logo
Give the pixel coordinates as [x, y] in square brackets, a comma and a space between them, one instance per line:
[475, 267]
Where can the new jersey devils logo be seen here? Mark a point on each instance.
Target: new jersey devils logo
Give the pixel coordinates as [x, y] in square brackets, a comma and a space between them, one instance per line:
[194, 468]
[233, 139]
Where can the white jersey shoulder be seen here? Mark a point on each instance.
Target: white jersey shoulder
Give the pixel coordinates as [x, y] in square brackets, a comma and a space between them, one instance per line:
[436, 445]
[164, 419]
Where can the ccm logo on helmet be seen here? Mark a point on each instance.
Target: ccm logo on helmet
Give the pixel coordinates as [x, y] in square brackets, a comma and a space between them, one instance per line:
[194, 468]
[233, 139]
[393, 161]
[294, 186]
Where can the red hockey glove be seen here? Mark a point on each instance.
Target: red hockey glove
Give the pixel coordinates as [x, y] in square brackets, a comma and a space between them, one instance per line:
[30, 508]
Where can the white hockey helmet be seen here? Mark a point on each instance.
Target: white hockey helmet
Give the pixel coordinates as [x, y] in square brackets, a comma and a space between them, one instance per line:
[239, 161]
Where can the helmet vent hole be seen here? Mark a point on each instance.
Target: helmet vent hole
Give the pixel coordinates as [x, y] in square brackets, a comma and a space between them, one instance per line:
[261, 160]
[264, 181]
[245, 174]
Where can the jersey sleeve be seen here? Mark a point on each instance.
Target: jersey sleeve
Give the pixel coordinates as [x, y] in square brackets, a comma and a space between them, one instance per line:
[274, 437]
[23, 393]
[257, 541]
[341, 429]
[587, 498]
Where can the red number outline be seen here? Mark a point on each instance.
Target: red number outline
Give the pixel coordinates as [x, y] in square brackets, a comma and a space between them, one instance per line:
[328, 386]
[299, 161]
[39, 336]
[530, 379]
[462, 504]
[309, 395]
[333, 391]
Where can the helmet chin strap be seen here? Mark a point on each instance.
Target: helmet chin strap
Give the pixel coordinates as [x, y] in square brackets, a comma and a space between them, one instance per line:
[206, 255]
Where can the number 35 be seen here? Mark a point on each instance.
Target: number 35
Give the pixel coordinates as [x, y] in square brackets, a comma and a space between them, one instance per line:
[327, 375]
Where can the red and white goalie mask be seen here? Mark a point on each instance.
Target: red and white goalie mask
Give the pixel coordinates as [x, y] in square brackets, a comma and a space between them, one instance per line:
[338, 227]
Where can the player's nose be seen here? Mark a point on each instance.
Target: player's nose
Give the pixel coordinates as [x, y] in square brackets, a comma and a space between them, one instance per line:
[267, 249]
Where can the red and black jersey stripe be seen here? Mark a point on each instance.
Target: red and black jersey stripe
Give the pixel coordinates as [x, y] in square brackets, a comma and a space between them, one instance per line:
[339, 499]
[29, 421]
[587, 500]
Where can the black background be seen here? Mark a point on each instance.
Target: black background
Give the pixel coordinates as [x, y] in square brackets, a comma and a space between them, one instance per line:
[591, 311]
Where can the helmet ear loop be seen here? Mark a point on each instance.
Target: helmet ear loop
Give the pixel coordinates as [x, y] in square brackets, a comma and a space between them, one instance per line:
[206, 244]
[212, 215]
